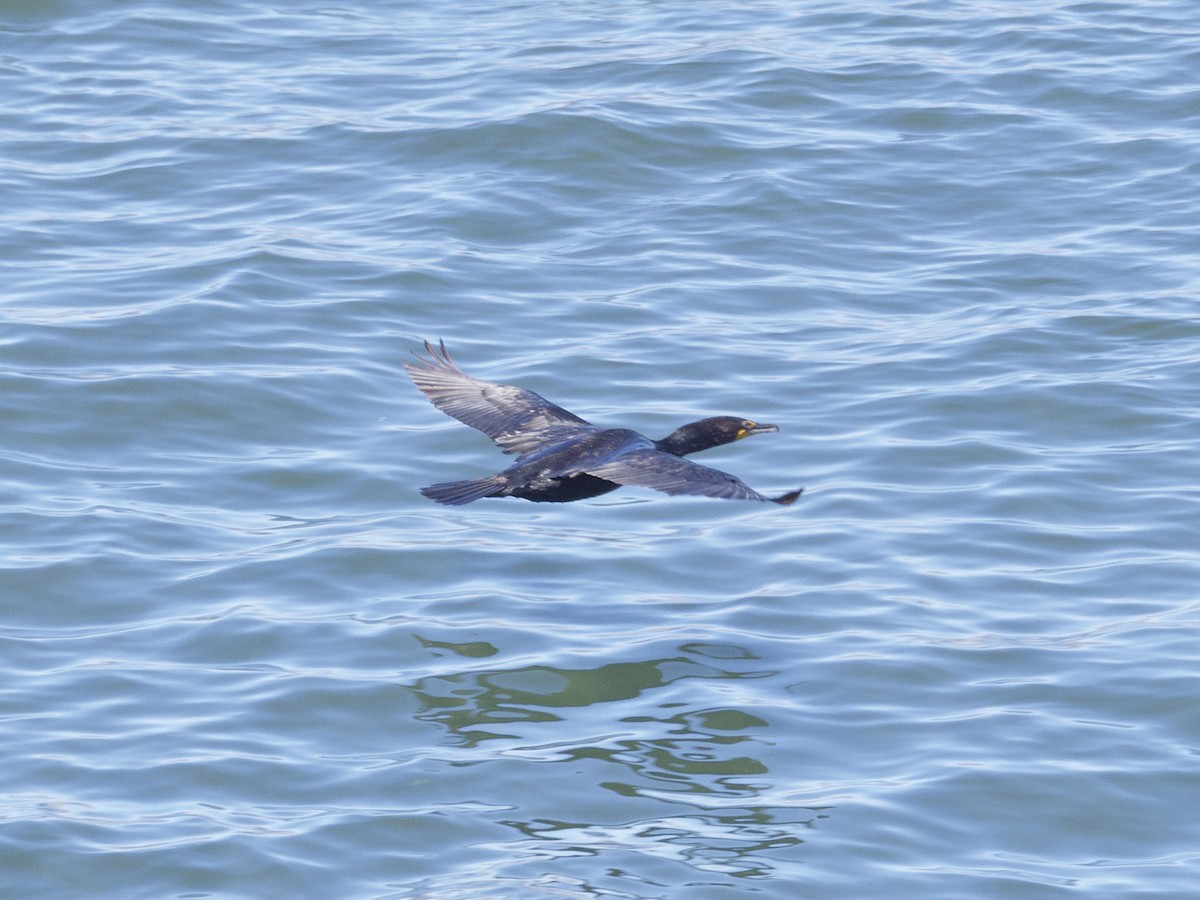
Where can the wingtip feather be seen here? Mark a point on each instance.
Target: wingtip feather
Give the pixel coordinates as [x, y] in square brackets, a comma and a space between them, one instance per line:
[788, 499]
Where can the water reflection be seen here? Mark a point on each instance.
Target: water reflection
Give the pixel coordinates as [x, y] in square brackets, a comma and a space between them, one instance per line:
[629, 761]
[733, 843]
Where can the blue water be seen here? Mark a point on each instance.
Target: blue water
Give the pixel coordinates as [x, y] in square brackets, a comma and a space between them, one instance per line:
[950, 249]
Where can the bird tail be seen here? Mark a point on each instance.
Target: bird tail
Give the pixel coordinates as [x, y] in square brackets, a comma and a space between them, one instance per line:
[456, 493]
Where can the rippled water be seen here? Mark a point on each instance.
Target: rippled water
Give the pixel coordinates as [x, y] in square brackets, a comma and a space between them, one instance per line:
[951, 249]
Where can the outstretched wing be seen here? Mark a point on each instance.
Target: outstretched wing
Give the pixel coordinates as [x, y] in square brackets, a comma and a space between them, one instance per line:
[516, 419]
[675, 475]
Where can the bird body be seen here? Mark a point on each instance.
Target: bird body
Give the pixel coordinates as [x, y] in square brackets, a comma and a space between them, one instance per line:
[561, 457]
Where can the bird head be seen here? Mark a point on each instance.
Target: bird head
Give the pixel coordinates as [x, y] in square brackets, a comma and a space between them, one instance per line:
[711, 432]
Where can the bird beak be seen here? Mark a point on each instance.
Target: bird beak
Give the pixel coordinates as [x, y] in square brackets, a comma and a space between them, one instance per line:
[756, 428]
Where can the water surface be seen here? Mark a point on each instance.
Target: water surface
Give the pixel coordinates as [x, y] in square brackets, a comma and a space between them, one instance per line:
[950, 250]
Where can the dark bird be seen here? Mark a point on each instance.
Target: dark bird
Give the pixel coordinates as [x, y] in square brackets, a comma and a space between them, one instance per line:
[561, 457]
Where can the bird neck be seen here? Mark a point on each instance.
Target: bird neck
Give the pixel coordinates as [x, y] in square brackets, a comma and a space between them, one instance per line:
[687, 439]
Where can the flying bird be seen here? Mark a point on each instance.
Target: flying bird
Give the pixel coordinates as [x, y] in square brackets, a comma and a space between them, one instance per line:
[561, 457]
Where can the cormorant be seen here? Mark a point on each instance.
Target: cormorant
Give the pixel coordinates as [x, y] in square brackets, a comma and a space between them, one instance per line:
[561, 457]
